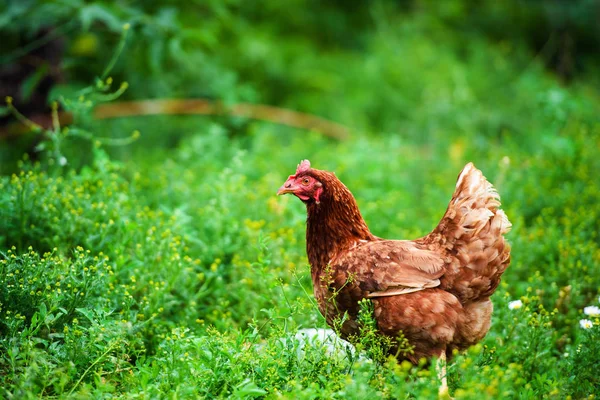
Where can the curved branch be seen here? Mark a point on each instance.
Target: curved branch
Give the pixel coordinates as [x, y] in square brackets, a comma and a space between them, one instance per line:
[260, 112]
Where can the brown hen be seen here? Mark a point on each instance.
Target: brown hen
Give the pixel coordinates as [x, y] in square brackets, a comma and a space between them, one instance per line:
[435, 290]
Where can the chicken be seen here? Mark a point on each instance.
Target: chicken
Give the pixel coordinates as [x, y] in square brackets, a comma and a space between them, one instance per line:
[434, 290]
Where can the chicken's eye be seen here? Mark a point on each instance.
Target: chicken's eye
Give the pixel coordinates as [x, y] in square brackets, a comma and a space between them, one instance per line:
[305, 181]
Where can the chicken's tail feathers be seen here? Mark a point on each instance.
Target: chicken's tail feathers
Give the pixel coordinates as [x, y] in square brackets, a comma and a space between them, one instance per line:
[475, 201]
[472, 233]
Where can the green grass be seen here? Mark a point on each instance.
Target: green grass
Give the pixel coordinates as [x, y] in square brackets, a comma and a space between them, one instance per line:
[169, 267]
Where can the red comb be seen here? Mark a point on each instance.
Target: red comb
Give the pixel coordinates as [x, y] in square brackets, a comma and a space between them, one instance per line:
[303, 166]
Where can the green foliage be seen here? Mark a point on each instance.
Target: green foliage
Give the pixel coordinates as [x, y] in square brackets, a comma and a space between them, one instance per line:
[377, 346]
[58, 322]
[167, 267]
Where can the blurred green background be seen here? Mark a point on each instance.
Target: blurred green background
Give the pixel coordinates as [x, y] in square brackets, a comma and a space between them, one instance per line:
[147, 256]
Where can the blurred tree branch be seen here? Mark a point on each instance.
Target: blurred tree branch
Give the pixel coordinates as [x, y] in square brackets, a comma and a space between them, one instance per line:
[139, 108]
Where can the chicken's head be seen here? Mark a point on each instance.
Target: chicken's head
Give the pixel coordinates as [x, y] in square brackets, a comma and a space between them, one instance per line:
[303, 184]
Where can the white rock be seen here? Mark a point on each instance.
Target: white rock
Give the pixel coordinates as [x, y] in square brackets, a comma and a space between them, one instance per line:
[327, 339]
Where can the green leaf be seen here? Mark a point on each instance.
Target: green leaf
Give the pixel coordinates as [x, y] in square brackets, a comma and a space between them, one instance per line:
[86, 313]
[96, 12]
[32, 81]
[248, 389]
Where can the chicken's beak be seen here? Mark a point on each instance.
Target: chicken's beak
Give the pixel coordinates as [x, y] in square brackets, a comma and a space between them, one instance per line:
[287, 187]
[284, 190]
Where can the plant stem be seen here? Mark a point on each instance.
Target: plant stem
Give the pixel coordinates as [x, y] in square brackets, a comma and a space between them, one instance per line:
[112, 346]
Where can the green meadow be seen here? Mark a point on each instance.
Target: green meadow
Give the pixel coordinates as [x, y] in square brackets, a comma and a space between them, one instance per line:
[148, 256]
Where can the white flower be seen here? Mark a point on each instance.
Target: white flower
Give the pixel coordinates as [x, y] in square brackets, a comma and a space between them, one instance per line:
[62, 161]
[592, 310]
[585, 323]
[515, 304]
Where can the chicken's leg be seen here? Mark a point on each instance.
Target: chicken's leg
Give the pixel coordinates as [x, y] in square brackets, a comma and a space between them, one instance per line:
[441, 372]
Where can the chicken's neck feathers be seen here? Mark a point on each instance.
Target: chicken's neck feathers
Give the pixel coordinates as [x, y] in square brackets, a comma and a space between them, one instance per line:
[334, 225]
